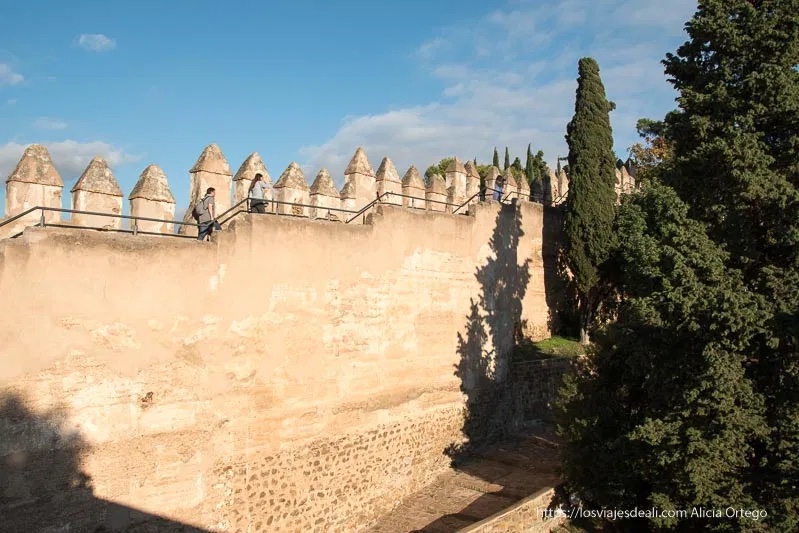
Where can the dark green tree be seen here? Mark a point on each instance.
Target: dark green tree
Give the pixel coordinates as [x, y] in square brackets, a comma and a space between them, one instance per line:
[735, 143]
[507, 159]
[663, 391]
[535, 172]
[590, 210]
[496, 158]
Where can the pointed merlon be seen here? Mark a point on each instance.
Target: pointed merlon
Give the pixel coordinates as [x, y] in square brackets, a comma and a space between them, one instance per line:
[631, 169]
[292, 178]
[493, 173]
[152, 185]
[359, 164]
[471, 170]
[35, 166]
[212, 160]
[387, 171]
[348, 191]
[456, 166]
[412, 179]
[437, 185]
[252, 165]
[510, 179]
[323, 185]
[98, 178]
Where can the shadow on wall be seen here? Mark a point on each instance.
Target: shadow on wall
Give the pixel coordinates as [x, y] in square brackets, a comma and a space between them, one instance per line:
[560, 295]
[491, 328]
[42, 486]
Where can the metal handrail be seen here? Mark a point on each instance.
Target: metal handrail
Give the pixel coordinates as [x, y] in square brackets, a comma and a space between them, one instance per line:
[18, 216]
[230, 213]
[43, 221]
[368, 206]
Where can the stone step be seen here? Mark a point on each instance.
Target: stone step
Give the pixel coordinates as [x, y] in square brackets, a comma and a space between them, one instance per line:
[493, 480]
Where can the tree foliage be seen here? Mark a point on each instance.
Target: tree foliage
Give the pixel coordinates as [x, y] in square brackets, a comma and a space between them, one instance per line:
[654, 151]
[660, 414]
[694, 388]
[735, 142]
[588, 224]
[439, 168]
[535, 172]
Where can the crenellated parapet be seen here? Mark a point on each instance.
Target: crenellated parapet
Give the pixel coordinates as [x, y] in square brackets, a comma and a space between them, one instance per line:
[97, 190]
[293, 189]
[436, 194]
[36, 182]
[243, 179]
[388, 181]
[413, 189]
[210, 170]
[511, 191]
[455, 182]
[324, 196]
[524, 189]
[152, 198]
[359, 172]
[472, 182]
[491, 179]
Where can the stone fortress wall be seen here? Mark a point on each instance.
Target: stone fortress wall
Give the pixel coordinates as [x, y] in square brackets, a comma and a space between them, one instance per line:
[293, 375]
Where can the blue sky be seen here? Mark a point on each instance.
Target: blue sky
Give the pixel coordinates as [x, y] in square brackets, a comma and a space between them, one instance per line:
[155, 82]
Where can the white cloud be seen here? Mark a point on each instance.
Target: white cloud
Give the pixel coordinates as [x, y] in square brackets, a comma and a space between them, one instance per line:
[11, 101]
[47, 123]
[8, 76]
[96, 42]
[510, 79]
[70, 157]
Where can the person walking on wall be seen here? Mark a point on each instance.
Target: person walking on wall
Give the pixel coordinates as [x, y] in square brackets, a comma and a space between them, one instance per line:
[498, 187]
[257, 195]
[207, 215]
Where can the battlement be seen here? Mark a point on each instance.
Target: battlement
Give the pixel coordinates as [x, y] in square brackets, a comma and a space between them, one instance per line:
[35, 182]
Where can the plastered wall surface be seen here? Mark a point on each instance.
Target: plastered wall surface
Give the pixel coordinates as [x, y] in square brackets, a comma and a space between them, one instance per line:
[294, 374]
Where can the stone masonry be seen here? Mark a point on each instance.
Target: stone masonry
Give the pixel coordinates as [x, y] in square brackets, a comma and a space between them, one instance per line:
[152, 198]
[300, 375]
[97, 190]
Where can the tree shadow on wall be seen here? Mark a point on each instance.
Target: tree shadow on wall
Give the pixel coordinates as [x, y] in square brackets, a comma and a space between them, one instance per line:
[42, 485]
[561, 297]
[491, 477]
[492, 328]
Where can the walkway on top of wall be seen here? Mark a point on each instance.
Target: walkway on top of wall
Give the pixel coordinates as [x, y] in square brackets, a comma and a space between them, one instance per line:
[488, 483]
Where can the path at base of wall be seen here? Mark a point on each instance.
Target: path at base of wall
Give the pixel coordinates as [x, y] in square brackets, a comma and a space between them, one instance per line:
[488, 483]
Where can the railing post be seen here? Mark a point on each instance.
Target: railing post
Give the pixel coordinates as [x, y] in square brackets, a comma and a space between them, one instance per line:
[135, 227]
[42, 221]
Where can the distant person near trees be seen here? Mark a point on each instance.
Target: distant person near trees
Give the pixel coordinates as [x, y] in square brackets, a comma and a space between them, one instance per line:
[205, 214]
[257, 195]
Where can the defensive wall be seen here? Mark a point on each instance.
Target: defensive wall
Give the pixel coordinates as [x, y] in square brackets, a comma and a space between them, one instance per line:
[294, 374]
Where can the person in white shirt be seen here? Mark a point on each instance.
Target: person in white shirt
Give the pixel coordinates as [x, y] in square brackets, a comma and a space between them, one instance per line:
[257, 195]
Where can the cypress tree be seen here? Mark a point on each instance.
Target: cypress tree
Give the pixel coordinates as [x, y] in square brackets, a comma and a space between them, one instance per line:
[590, 208]
[735, 142]
[507, 159]
[496, 158]
[529, 174]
